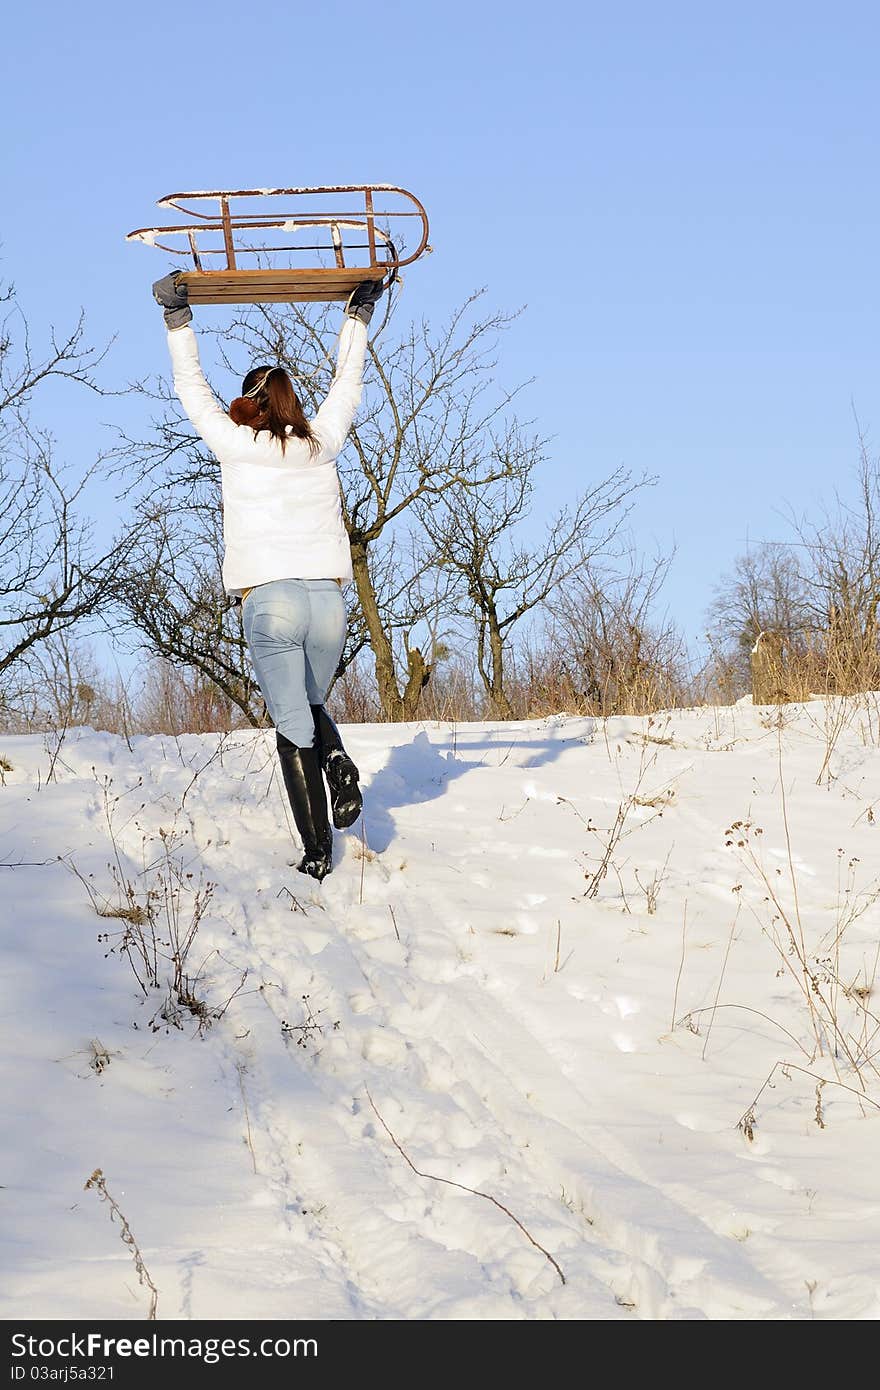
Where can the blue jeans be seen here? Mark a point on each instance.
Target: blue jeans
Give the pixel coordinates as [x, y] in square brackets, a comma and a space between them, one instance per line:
[295, 631]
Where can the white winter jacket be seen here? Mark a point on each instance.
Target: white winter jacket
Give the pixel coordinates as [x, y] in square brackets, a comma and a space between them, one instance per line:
[282, 512]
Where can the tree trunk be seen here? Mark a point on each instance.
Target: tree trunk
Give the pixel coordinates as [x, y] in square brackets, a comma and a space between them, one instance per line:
[492, 672]
[390, 699]
[497, 694]
[419, 674]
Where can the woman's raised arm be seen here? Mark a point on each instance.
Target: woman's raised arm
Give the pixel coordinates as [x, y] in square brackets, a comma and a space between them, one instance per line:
[206, 414]
[333, 420]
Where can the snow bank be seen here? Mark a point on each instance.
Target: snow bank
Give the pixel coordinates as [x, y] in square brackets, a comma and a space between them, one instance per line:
[471, 983]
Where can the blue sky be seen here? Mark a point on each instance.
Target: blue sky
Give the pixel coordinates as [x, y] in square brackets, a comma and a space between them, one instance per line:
[684, 196]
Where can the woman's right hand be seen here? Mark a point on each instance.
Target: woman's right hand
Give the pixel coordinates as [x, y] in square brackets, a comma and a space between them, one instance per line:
[173, 295]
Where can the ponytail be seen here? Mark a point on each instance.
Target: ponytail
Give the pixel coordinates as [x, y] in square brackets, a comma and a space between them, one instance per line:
[269, 402]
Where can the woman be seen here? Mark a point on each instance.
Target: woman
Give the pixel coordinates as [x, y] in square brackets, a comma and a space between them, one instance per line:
[286, 549]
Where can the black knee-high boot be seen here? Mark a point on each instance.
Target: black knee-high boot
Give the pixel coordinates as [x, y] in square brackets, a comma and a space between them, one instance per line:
[342, 775]
[301, 770]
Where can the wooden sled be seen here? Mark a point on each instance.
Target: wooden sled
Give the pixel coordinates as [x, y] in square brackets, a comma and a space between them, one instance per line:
[348, 244]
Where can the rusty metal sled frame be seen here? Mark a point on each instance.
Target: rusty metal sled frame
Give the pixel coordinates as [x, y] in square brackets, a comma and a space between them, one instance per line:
[357, 243]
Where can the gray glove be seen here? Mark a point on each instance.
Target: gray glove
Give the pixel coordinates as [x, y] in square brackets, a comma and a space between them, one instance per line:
[173, 295]
[362, 300]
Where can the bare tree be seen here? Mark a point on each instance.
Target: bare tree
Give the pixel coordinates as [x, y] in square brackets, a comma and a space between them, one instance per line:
[62, 684]
[844, 552]
[427, 426]
[475, 533]
[815, 596]
[608, 646]
[767, 592]
[51, 575]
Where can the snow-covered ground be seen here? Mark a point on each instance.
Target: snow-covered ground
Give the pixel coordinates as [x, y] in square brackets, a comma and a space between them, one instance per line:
[468, 986]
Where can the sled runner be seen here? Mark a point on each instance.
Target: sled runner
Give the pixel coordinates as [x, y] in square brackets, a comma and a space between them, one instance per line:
[343, 244]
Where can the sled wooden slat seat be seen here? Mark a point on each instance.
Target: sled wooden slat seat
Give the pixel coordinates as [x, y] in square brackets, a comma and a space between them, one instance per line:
[325, 249]
[274, 286]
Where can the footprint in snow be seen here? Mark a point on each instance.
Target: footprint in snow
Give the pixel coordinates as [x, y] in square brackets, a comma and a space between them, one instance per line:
[622, 1005]
[385, 1049]
[526, 926]
[626, 1007]
[362, 1003]
[700, 1124]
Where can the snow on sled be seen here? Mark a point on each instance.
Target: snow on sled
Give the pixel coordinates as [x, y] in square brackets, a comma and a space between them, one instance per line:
[345, 243]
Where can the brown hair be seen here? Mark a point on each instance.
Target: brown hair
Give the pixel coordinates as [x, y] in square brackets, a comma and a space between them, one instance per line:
[269, 402]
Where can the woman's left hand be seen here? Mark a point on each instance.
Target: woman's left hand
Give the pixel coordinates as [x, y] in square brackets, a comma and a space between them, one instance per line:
[362, 300]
